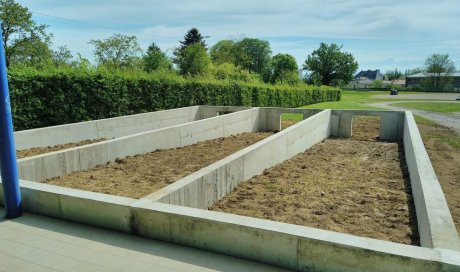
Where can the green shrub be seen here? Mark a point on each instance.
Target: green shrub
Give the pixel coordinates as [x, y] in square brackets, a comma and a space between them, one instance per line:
[48, 98]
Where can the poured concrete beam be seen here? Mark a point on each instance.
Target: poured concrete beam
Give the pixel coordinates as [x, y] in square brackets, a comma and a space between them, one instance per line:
[104, 128]
[435, 223]
[391, 123]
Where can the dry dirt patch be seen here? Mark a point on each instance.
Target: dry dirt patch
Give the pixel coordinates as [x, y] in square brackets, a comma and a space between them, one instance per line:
[43, 150]
[344, 185]
[445, 158]
[140, 175]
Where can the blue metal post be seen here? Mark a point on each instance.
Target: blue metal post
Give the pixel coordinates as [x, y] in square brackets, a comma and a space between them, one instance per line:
[9, 168]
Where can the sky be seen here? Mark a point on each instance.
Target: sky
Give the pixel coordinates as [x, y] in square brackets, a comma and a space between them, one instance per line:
[380, 34]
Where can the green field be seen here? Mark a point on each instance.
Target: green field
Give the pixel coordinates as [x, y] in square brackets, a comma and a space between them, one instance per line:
[358, 100]
[437, 107]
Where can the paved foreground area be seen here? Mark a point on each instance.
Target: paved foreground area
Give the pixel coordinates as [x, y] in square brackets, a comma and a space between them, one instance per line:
[38, 243]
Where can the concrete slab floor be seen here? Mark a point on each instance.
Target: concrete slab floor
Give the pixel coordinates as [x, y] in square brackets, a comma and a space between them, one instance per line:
[39, 243]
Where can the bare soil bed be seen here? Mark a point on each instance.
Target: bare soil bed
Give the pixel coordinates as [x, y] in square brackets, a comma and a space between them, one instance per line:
[360, 187]
[140, 175]
[443, 147]
[43, 150]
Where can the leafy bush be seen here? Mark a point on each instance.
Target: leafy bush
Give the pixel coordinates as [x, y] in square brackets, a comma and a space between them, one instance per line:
[49, 98]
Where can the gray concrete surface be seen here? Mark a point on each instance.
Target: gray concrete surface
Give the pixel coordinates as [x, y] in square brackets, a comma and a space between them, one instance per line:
[34, 243]
[451, 120]
[104, 128]
[391, 123]
[435, 223]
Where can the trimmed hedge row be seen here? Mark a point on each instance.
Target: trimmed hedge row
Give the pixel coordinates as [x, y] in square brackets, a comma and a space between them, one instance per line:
[47, 99]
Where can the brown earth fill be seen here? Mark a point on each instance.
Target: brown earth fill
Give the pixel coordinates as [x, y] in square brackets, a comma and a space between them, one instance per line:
[43, 150]
[360, 187]
[140, 175]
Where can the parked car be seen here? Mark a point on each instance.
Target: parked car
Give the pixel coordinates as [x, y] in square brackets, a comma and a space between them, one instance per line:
[394, 92]
[458, 98]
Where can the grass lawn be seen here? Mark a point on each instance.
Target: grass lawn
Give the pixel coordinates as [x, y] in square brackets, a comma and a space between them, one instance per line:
[437, 107]
[357, 100]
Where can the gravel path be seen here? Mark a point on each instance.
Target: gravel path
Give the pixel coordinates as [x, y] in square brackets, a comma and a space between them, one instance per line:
[427, 96]
[451, 120]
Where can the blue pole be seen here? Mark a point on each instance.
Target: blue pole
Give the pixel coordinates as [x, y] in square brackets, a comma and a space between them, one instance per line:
[9, 168]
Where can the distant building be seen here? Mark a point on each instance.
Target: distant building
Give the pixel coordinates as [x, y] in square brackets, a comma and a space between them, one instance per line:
[370, 75]
[401, 83]
[364, 79]
[417, 80]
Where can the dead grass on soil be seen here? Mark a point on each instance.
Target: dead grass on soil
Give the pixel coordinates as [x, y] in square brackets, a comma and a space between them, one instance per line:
[442, 145]
[352, 186]
[140, 175]
[43, 150]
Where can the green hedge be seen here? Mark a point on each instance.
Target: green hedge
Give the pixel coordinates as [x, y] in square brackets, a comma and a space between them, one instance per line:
[41, 99]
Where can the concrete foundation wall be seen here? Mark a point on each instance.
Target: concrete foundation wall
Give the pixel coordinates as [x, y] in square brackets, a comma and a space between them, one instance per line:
[435, 223]
[212, 111]
[289, 246]
[41, 167]
[294, 247]
[104, 128]
[210, 184]
[391, 123]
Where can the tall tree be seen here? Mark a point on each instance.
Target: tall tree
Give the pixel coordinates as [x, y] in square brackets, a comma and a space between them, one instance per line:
[117, 51]
[392, 75]
[222, 52]
[62, 56]
[253, 54]
[195, 61]
[24, 41]
[285, 69]
[155, 59]
[330, 65]
[438, 70]
[193, 36]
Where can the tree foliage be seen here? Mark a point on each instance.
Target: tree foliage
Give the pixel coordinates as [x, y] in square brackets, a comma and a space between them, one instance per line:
[62, 56]
[223, 52]
[117, 51]
[285, 69]
[253, 55]
[438, 70]
[193, 36]
[392, 75]
[330, 65]
[24, 41]
[155, 59]
[195, 61]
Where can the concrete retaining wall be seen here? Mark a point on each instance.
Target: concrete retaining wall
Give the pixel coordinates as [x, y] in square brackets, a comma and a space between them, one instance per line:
[391, 123]
[289, 246]
[104, 128]
[54, 164]
[207, 186]
[435, 223]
